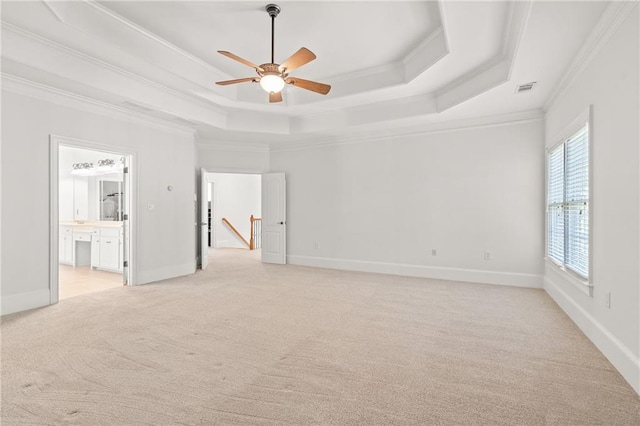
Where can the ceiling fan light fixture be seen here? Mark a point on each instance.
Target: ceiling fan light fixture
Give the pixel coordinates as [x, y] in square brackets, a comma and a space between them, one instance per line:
[272, 83]
[272, 76]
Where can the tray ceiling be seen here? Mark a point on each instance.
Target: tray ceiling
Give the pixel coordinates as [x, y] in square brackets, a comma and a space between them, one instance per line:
[396, 63]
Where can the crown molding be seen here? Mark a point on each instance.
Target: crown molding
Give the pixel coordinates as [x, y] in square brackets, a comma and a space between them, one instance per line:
[56, 96]
[613, 17]
[515, 26]
[497, 69]
[99, 63]
[482, 79]
[53, 10]
[438, 36]
[232, 146]
[423, 44]
[430, 128]
[361, 115]
[154, 37]
[425, 55]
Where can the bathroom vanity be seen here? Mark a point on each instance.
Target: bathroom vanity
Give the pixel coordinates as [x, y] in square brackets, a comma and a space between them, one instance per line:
[95, 243]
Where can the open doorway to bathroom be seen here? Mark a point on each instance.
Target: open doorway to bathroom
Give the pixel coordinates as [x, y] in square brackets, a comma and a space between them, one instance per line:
[231, 215]
[93, 193]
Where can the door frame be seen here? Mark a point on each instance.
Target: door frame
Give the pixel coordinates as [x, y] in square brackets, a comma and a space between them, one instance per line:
[211, 185]
[55, 141]
[217, 170]
[204, 178]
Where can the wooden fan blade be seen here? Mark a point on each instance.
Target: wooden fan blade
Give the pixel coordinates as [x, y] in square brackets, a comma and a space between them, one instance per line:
[239, 59]
[314, 86]
[239, 80]
[275, 97]
[298, 59]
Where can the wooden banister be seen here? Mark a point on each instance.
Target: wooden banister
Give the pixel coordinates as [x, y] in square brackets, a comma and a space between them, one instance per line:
[226, 222]
[252, 241]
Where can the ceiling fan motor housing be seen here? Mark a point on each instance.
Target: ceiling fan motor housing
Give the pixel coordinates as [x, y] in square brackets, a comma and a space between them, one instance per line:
[269, 69]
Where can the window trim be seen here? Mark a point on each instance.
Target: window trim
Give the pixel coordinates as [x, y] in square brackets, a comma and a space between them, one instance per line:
[586, 117]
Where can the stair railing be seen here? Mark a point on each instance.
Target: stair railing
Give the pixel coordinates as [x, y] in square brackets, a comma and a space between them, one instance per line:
[235, 231]
[255, 242]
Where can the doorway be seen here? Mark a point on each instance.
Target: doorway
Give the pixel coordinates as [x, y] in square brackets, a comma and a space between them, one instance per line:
[231, 213]
[91, 191]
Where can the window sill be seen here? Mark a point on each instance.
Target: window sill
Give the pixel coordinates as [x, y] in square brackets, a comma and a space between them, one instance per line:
[584, 286]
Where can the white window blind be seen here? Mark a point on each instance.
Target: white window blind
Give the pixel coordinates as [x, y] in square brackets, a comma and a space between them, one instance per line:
[555, 209]
[568, 203]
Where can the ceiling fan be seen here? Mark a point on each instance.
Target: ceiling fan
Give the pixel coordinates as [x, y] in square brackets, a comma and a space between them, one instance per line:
[272, 77]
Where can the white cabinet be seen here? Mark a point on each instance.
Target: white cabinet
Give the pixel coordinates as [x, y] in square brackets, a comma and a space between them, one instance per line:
[110, 253]
[65, 245]
[95, 247]
[106, 248]
[91, 244]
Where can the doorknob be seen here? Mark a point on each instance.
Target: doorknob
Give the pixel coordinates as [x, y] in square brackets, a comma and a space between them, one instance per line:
[281, 223]
[203, 223]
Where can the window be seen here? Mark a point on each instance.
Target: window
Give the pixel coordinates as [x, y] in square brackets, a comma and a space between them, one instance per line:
[568, 203]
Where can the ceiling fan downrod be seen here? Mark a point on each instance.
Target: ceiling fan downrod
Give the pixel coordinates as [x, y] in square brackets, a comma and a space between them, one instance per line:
[273, 10]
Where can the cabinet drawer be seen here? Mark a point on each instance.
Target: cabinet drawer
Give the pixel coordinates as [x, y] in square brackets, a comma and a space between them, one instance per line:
[110, 232]
[81, 236]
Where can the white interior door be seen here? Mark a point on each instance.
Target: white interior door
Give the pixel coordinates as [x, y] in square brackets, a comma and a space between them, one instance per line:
[204, 219]
[274, 218]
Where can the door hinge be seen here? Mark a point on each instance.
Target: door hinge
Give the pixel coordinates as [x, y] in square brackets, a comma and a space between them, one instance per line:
[125, 264]
[125, 170]
[125, 217]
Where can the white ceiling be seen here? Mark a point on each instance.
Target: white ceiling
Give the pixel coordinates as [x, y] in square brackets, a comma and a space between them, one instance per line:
[391, 64]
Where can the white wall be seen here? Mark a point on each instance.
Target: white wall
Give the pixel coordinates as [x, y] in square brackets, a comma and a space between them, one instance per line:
[384, 205]
[215, 158]
[166, 235]
[609, 83]
[235, 197]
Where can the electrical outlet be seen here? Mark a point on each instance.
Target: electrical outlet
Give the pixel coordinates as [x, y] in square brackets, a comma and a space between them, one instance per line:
[316, 245]
[487, 255]
[607, 300]
[434, 252]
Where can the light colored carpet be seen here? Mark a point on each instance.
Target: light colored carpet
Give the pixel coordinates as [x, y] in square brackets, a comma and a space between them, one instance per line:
[247, 343]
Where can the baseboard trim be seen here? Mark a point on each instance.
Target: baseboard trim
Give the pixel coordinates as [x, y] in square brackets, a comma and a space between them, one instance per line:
[159, 274]
[230, 244]
[622, 358]
[24, 301]
[440, 273]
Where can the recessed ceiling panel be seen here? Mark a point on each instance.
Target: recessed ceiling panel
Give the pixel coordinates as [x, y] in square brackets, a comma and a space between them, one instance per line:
[346, 36]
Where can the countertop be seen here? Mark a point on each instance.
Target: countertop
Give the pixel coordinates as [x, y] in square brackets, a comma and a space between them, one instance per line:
[88, 225]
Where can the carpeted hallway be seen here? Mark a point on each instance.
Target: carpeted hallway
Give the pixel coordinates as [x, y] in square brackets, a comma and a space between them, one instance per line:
[247, 343]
